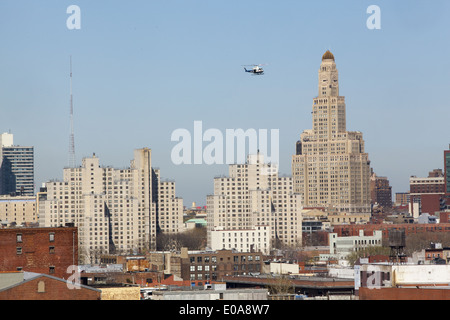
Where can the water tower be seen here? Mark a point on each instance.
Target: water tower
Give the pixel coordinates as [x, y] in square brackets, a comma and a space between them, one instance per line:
[397, 244]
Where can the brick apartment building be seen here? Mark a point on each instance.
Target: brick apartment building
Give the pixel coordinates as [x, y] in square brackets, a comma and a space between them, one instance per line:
[426, 193]
[41, 250]
[214, 265]
[410, 228]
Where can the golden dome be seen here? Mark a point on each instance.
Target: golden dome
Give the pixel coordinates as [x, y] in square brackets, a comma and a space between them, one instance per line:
[328, 55]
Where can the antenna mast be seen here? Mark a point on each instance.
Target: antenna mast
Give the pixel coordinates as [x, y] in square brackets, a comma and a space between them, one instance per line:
[72, 139]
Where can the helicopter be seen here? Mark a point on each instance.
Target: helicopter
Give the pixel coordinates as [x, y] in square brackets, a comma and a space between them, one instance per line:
[256, 70]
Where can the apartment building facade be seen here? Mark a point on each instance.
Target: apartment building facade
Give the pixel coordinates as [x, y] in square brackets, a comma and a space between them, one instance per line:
[254, 195]
[253, 239]
[115, 210]
[18, 209]
[169, 207]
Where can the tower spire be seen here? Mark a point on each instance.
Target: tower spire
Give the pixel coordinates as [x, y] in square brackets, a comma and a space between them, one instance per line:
[330, 167]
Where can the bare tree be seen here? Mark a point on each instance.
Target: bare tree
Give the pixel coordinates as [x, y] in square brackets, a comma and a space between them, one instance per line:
[194, 239]
[280, 285]
[419, 241]
[366, 252]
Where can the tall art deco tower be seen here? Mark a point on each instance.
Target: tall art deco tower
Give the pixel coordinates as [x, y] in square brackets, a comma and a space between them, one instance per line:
[330, 167]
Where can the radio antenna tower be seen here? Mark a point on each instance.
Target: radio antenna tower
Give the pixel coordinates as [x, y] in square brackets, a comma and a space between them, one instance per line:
[72, 139]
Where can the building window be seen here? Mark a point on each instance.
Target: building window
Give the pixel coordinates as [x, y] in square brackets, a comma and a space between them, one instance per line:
[18, 250]
[51, 237]
[19, 237]
[51, 249]
[41, 287]
[51, 270]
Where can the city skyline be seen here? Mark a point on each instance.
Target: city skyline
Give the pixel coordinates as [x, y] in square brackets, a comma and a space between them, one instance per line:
[142, 71]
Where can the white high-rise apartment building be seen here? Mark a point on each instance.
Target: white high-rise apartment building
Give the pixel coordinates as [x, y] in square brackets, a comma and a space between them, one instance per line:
[254, 196]
[330, 167]
[115, 210]
[169, 206]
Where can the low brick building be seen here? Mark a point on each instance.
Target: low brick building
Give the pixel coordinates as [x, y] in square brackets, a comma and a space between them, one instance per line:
[404, 294]
[34, 286]
[403, 282]
[42, 250]
[349, 230]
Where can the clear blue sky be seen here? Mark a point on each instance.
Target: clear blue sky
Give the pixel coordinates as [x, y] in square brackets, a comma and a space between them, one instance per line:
[142, 69]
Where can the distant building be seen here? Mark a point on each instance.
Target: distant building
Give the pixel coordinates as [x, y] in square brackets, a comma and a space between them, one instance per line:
[224, 294]
[213, 265]
[401, 198]
[280, 267]
[169, 206]
[340, 247]
[410, 228]
[436, 254]
[314, 220]
[254, 195]
[311, 225]
[380, 191]
[337, 218]
[426, 193]
[18, 210]
[115, 210]
[331, 167]
[402, 282]
[425, 218]
[16, 167]
[195, 223]
[253, 239]
[444, 217]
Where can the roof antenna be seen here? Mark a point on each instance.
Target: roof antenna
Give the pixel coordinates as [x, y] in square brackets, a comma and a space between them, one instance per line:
[71, 139]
